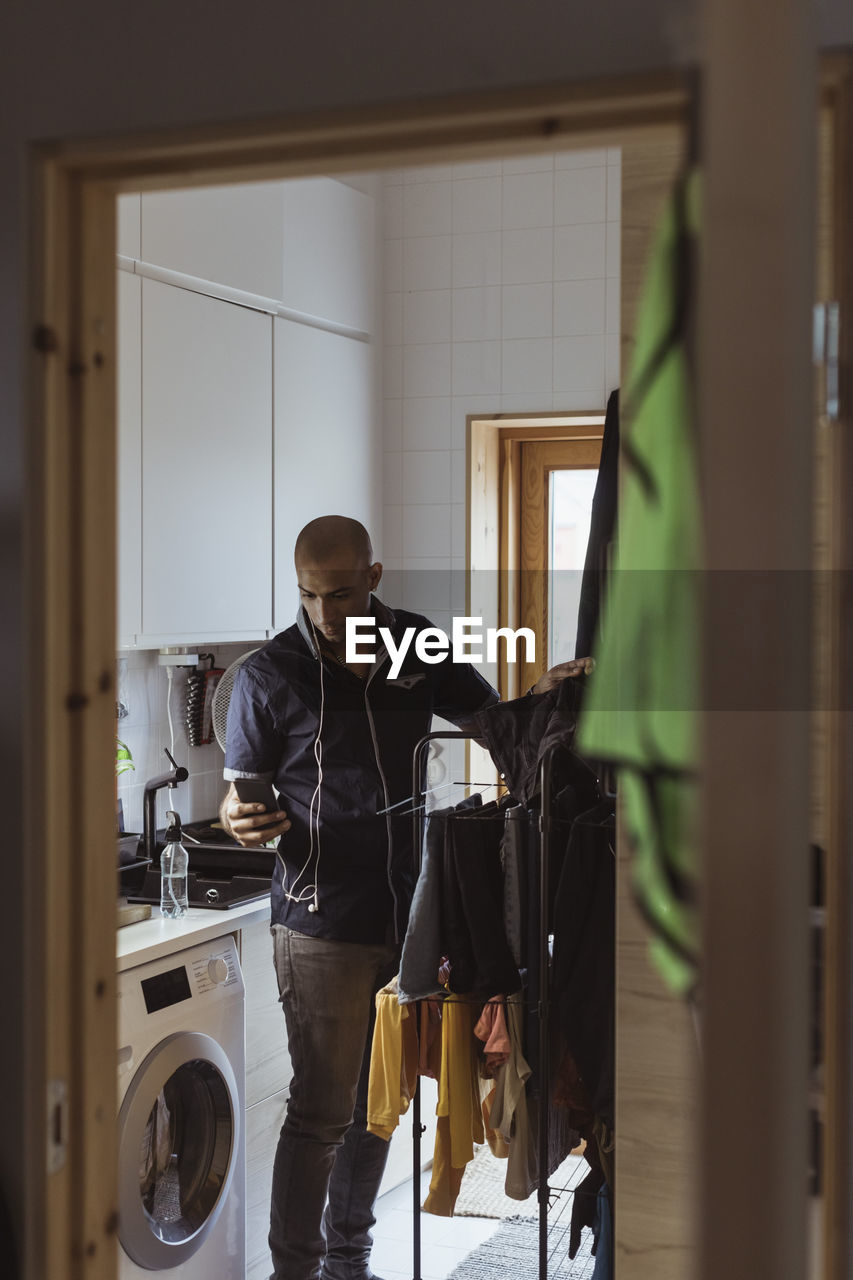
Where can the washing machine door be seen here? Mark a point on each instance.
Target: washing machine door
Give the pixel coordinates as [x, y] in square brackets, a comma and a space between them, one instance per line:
[179, 1135]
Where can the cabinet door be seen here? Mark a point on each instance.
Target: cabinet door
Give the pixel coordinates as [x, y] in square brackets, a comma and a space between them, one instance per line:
[327, 446]
[129, 458]
[206, 468]
[230, 235]
[268, 1068]
[328, 267]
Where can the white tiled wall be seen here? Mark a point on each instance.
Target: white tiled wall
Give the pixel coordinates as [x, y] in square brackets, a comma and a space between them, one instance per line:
[501, 283]
[501, 294]
[145, 729]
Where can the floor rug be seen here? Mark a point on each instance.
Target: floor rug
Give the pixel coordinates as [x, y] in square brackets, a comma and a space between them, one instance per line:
[482, 1193]
[512, 1253]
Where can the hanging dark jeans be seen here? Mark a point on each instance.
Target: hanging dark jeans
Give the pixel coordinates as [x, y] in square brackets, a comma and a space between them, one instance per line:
[472, 899]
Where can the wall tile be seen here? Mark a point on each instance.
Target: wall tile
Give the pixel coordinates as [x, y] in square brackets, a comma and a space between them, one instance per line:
[462, 406]
[425, 587]
[579, 252]
[612, 303]
[392, 265]
[458, 585]
[426, 262]
[580, 195]
[614, 193]
[528, 255]
[588, 159]
[528, 200]
[427, 209]
[428, 173]
[578, 307]
[392, 372]
[426, 316]
[392, 424]
[430, 591]
[476, 368]
[476, 314]
[392, 319]
[392, 532]
[540, 401]
[614, 248]
[426, 477]
[527, 310]
[426, 422]
[458, 476]
[526, 365]
[392, 478]
[612, 372]
[477, 169]
[476, 204]
[530, 163]
[579, 401]
[579, 364]
[426, 369]
[426, 530]
[392, 212]
[459, 529]
[476, 259]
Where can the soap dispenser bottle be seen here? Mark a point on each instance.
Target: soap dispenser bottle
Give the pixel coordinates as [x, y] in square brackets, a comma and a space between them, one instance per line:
[173, 871]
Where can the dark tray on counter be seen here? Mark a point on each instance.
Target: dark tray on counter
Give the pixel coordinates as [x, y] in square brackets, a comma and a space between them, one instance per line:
[222, 873]
[206, 891]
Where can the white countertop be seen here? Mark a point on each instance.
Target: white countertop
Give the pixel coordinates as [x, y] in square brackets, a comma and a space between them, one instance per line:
[150, 939]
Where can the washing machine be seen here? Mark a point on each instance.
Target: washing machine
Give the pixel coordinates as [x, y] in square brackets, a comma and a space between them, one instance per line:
[181, 1130]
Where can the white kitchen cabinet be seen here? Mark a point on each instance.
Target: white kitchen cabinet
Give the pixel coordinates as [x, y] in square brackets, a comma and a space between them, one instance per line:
[206, 474]
[129, 457]
[231, 235]
[329, 248]
[326, 441]
[128, 225]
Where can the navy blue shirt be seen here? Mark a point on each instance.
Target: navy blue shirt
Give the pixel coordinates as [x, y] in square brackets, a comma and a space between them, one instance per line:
[341, 840]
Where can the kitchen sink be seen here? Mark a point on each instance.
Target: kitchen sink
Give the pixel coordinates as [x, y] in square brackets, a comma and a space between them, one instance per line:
[207, 891]
[221, 874]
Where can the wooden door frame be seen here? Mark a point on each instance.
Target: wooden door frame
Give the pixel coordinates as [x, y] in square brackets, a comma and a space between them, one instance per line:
[70, 611]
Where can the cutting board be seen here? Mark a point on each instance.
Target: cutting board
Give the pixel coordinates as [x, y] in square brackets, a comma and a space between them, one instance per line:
[131, 913]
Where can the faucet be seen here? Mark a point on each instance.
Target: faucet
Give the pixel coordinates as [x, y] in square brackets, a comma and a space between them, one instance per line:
[149, 821]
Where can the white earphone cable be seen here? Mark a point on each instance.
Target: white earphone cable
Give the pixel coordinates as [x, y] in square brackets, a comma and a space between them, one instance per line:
[309, 891]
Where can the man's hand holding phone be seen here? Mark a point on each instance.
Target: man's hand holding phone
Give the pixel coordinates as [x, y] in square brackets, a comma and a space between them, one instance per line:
[251, 814]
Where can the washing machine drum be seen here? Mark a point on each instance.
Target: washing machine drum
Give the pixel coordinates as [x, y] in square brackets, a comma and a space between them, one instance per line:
[178, 1139]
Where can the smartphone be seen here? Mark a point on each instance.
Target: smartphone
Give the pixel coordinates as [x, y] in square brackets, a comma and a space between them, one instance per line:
[256, 791]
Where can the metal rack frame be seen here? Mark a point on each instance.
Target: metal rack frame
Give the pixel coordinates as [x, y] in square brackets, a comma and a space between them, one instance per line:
[543, 1003]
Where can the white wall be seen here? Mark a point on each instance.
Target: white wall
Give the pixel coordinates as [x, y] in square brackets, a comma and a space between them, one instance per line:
[501, 296]
[146, 731]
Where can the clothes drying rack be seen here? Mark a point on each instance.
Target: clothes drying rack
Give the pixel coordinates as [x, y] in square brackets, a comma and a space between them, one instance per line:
[542, 1006]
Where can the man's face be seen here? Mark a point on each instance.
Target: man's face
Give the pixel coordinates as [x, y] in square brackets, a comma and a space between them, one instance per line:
[330, 596]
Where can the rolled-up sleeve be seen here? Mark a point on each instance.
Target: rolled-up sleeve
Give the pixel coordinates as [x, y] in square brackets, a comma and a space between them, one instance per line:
[252, 745]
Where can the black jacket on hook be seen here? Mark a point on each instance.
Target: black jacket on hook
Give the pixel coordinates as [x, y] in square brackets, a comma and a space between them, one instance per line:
[518, 734]
[601, 530]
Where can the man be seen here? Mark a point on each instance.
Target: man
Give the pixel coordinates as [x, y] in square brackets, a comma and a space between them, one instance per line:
[336, 740]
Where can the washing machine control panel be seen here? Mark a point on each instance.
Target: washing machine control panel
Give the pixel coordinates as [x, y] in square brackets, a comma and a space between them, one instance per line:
[213, 970]
[166, 988]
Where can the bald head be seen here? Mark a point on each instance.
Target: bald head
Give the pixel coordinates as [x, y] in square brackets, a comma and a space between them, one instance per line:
[333, 542]
[336, 575]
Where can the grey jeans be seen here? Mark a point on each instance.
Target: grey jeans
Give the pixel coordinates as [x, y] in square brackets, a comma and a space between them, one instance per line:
[327, 1166]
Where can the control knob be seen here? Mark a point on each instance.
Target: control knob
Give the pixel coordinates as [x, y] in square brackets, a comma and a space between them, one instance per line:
[217, 970]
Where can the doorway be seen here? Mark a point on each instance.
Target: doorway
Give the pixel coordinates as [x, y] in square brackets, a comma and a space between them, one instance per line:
[73, 518]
